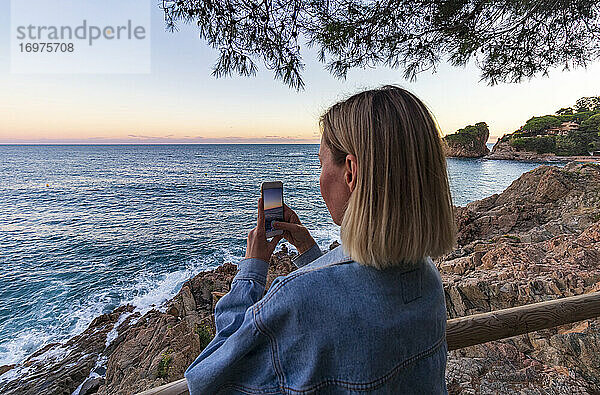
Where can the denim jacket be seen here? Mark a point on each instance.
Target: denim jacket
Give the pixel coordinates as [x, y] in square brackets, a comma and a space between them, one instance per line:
[333, 326]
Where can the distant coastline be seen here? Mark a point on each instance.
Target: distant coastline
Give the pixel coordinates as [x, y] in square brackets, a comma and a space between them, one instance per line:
[572, 134]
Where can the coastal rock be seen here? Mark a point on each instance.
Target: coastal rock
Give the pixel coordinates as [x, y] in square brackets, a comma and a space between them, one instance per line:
[542, 203]
[538, 240]
[500, 368]
[469, 142]
[502, 150]
[61, 367]
[513, 274]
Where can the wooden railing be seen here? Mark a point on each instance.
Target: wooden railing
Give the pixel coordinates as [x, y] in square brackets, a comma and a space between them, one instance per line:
[481, 328]
[500, 324]
[175, 388]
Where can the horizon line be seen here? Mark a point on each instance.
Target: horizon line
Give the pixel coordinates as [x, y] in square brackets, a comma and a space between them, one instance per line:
[210, 143]
[159, 140]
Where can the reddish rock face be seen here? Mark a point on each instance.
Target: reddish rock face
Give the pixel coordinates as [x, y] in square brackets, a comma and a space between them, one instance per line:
[538, 240]
[467, 146]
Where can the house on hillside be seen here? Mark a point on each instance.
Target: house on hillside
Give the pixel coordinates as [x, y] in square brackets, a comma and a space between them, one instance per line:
[563, 129]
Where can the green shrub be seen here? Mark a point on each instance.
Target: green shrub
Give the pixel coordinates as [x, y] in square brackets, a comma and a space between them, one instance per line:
[565, 111]
[205, 335]
[468, 133]
[583, 116]
[592, 124]
[163, 365]
[566, 118]
[538, 124]
[541, 145]
[573, 144]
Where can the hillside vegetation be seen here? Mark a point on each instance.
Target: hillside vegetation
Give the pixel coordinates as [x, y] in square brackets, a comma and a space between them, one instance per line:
[570, 131]
[468, 142]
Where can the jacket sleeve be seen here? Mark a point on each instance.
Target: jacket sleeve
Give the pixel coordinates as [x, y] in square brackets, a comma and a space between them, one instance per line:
[307, 256]
[223, 359]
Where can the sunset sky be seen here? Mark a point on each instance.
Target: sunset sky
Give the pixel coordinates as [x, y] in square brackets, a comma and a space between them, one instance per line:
[180, 102]
[272, 198]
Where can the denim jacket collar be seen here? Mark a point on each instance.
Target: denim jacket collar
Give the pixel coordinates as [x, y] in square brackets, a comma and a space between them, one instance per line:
[333, 257]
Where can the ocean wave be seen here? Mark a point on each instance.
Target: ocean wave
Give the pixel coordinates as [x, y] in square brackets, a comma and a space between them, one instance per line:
[23, 344]
[149, 291]
[288, 155]
[153, 291]
[326, 235]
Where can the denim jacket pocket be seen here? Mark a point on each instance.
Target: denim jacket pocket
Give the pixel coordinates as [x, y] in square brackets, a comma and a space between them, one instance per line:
[411, 285]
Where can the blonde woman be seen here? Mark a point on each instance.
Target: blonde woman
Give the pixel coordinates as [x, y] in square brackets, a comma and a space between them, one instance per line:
[368, 316]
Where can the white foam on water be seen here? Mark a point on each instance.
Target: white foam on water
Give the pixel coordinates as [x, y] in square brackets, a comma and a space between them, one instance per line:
[84, 313]
[150, 290]
[53, 353]
[326, 235]
[69, 323]
[232, 258]
[21, 345]
[92, 375]
[153, 291]
[112, 335]
[101, 362]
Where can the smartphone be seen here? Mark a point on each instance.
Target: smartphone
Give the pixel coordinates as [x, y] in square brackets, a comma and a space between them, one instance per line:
[272, 196]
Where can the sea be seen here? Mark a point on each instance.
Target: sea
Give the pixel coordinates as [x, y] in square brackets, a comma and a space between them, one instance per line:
[87, 228]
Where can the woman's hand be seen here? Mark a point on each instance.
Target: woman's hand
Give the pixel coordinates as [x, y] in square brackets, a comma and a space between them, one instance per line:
[293, 231]
[257, 245]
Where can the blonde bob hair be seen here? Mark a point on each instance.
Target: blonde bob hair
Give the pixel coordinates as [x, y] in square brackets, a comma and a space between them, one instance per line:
[401, 209]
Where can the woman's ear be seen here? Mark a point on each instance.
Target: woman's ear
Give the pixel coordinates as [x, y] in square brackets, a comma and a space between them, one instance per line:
[351, 169]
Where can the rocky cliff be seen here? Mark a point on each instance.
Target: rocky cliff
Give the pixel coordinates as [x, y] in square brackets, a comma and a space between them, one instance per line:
[503, 150]
[469, 142]
[538, 240]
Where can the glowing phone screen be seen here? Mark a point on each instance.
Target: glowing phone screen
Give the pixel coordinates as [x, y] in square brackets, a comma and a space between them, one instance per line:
[273, 201]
